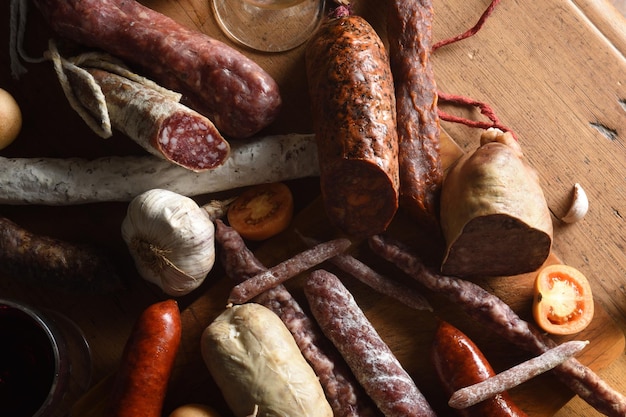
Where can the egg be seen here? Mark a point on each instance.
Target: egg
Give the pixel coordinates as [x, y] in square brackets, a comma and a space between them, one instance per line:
[194, 410]
[10, 119]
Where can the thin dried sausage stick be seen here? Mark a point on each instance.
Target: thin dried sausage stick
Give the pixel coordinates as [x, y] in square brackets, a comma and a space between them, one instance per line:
[140, 385]
[370, 358]
[162, 126]
[343, 392]
[406, 295]
[512, 377]
[354, 119]
[54, 263]
[287, 269]
[494, 313]
[65, 181]
[217, 80]
[459, 363]
[421, 173]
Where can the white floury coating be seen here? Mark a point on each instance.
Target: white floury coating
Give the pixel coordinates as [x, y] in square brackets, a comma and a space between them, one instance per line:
[69, 181]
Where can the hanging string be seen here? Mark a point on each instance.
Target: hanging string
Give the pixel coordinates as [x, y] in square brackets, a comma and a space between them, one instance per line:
[484, 108]
[471, 31]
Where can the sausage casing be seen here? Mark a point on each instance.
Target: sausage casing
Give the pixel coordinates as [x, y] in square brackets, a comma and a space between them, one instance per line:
[354, 118]
[147, 361]
[459, 363]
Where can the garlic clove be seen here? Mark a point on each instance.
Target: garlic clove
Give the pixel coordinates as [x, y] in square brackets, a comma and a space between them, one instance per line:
[579, 206]
[171, 240]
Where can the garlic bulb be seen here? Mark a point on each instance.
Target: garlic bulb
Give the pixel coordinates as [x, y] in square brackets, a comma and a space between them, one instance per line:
[171, 240]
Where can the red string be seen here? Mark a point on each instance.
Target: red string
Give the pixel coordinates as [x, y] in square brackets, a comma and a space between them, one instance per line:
[484, 108]
[471, 31]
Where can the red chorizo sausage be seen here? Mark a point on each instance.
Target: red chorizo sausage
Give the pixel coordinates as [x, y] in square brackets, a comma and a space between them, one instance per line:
[218, 81]
[459, 363]
[421, 172]
[354, 119]
[147, 361]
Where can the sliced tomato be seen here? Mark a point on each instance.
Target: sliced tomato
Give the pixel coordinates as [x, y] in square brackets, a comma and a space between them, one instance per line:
[261, 211]
[563, 302]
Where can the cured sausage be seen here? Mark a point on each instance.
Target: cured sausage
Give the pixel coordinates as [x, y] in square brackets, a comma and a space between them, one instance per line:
[159, 124]
[495, 314]
[344, 394]
[354, 119]
[370, 358]
[147, 361]
[421, 172]
[218, 81]
[287, 269]
[460, 363]
[54, 263]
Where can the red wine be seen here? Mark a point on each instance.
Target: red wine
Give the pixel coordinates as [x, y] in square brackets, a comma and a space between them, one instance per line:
[27, 363]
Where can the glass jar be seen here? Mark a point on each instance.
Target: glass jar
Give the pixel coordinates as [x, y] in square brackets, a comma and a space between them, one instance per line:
[45, 361]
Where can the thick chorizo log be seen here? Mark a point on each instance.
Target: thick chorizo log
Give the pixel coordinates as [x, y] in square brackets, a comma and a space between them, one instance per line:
[162, 126]
[218, 81]
[370, 358]
[354, 118]
[460, 363]
[147, 361]
[421, 173]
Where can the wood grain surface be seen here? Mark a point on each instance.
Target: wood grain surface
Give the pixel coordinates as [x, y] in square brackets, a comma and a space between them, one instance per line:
[554, 71]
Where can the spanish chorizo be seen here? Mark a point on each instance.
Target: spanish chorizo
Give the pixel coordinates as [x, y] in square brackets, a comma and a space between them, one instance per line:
[459, 363]
[147, 361]
[223, 84]
[421, 173]
[354, 119]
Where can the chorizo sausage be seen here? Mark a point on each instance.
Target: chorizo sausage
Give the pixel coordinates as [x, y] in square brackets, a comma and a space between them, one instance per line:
[419, 158]
[370, 358]
[146, 365]
[218, 81]
[54, 263]
[459, 363]
[354, 119]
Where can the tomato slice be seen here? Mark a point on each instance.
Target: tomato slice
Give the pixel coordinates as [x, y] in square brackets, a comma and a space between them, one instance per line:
[261, 211]
[563, 302]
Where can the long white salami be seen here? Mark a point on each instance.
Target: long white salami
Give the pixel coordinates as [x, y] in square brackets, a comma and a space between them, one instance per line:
[68, 181]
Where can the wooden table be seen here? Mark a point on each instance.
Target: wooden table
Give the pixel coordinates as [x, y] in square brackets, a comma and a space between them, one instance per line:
[554, 71]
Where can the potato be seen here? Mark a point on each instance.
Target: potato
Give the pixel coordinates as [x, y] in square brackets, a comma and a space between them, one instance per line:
[494, 215]
[254, 360]
[194, 410]
[10, 119]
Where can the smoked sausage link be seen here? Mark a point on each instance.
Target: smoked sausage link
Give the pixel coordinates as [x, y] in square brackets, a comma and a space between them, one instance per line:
[354, 118]
[459, 363]
[235, 93]
[421, 171]
[147, 362]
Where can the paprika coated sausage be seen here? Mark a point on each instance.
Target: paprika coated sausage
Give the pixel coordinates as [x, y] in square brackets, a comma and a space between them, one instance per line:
[354, 119]
[141, 383]
[459, 363]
